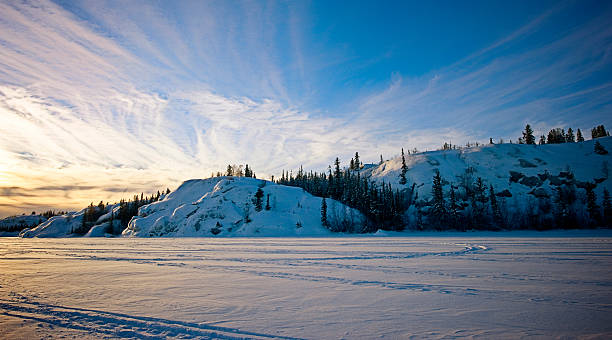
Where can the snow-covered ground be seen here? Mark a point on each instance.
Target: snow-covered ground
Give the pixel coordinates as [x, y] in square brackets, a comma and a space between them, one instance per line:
[475, 285]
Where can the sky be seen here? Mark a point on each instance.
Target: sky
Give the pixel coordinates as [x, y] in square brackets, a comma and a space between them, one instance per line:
[103, 99]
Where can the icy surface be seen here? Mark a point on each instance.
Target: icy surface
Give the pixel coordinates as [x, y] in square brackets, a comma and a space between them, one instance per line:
[318, 288]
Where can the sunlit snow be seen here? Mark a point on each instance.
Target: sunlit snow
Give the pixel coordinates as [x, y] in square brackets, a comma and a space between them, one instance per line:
[493, 285]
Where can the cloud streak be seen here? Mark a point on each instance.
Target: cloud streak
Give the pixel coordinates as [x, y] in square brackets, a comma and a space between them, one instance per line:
[549, 84]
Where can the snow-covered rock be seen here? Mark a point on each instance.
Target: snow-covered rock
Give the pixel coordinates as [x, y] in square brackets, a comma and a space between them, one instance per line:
[12, 225]
[21, 220]
[223, 206]
[56, 226]
[518, 172]
[99, 230]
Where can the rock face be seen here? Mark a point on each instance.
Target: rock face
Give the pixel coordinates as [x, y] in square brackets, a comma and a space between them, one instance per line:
[226, 206]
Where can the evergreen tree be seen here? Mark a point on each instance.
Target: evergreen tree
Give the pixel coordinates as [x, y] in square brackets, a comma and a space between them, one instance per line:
[438, 211]
[528, 135]
[453, 214]
[324, 221]
[569, 137]
[599, 149]
[357, 161]
[246, 212]
[599, 131]
[258, 199]
[579, 137]
[542, 140]
[403, 180]
[479, 199]
[564, 200]
[110, 229]
[592, 207]
[247, 171]
[381, 160]
[268, 202]
[337, 171]
[495, 211]
[556, 136]
[607, 208]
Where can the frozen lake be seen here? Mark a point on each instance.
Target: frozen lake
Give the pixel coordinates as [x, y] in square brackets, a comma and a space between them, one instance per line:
[356, 287]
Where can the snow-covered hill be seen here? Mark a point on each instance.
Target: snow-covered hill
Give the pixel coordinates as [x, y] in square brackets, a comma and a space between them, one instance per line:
[220, 206]
[519, 173]
[523, 176]
[10, 226]
[223, 206]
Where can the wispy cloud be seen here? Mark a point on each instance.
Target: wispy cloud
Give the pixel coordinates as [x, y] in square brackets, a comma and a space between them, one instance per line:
[98, 101]
[562, 82]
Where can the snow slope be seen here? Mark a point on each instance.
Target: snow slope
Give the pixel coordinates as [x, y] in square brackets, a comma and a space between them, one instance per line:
[218, 207]
[537, 169]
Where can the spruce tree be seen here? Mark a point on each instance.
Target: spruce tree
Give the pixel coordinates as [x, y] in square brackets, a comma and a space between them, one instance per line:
[569, 137]
[607, 208]
[495, 211]
[479, 199]
[338, 183]
[599, 149]
[357, 162]
[439, 206]
[528, 137]
[579, 137]
[109, 229]
[403, 180]
[268, 202]
[381, 160]
[324, 221]
[453, 214]
[592, 207]
[258, 199]
[542, 140]
[229, 171]
[599, 131]
[556, 136]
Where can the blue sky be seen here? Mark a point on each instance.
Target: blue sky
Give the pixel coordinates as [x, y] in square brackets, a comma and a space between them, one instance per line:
[111, 97]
